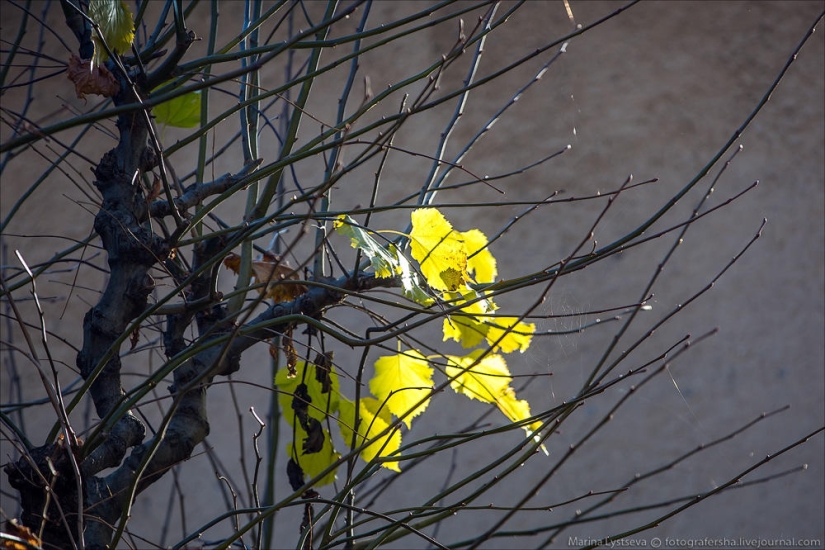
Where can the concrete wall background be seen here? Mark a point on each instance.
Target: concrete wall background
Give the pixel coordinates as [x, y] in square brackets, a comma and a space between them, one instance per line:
[654, 92]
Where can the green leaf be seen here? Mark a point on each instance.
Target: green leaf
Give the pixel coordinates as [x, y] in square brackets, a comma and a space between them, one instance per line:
[181, 112]
[383, 261]
[410, 285]
[401, 381]
[116, 26]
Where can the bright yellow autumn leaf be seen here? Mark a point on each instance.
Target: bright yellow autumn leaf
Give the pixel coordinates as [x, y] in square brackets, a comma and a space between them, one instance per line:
[519, 337]
[373, 420]
[401, 381]
[480, 261]
[467, 327]
[439, 250]
[517, 410]
[486, 380]
[489, 380]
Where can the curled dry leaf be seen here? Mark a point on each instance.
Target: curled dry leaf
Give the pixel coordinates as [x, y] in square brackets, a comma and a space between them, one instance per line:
[91, 80]
[272, 270]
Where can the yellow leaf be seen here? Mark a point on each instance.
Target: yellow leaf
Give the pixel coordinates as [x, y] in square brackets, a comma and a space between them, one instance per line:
[486, 380]
[480, 260]
[373, 419]
[401, 381]
[519, 337]
[467, 326]
[489, 380]
[313, 457]
[116, 26]
[314, 463]
[517, 410]
[439, 249]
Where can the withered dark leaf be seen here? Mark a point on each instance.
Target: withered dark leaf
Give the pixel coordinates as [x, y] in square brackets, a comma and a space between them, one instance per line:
[91, 80]
[314, 441]
[295, 475]
[300, 402]
[323, 367]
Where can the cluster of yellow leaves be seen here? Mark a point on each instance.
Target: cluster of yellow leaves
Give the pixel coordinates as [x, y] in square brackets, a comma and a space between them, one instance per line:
[386, 261]
[474, 324]
[450, 261]
[314, 395]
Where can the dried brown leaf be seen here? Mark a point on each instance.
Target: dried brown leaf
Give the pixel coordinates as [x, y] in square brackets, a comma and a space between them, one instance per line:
[273, 271]
[91, 80]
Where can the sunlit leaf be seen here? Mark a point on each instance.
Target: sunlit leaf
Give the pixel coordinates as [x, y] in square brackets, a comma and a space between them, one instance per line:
[488, 379]
[467, 327]
[12, 527]
[485, 380]
[401, 381]
[183, 111]
[373, 420]
[519, 337]
[517, 410]
[480, 261]
[383, 261]
[439, 250]
[320, 397]
[116, 26]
